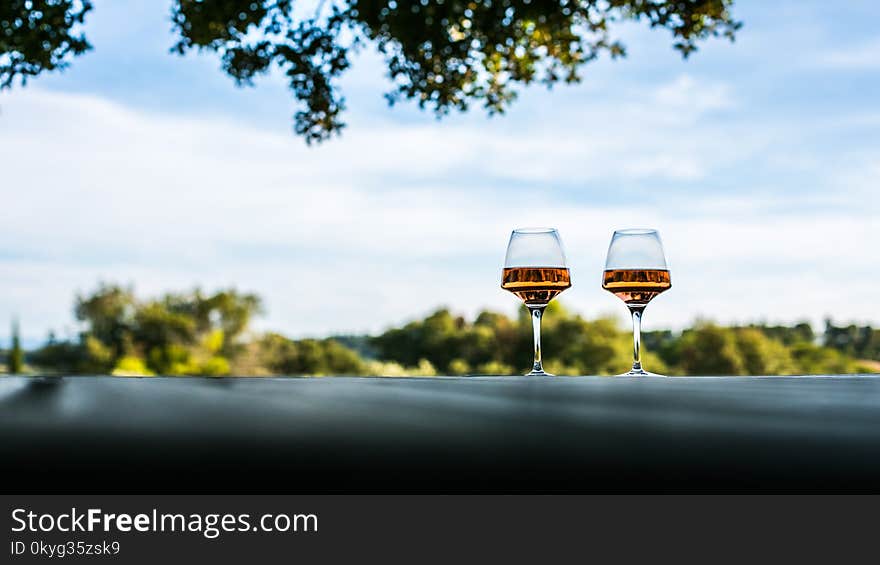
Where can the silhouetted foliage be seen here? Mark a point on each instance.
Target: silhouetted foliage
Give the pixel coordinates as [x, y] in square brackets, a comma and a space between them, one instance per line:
[38, 36]
[444, 54]
[862, 342]
[67, 357]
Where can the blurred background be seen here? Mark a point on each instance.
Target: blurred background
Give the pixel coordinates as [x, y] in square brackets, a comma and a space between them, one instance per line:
[158, 218]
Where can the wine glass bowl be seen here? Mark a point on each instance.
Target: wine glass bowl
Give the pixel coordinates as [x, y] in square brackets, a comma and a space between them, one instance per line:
[535, 286]
[636, 272]
[535, 271]
[636, 287]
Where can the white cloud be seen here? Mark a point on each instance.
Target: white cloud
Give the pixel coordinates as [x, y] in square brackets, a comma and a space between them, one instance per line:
[384, 225]
[693, 98]
[861, 56]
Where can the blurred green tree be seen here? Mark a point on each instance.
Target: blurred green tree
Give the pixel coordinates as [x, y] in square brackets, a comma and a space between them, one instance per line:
[496, 344]
[108, 314]
[15, 360]
[308, 357]
[194, 333]
[815, 360]
[183, 334]
[762, 355]
[710, 350]
[789, 335]
[862, 342]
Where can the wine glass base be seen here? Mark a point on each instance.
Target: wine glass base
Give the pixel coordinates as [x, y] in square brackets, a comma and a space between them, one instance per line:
[538, 374]
[639, 373]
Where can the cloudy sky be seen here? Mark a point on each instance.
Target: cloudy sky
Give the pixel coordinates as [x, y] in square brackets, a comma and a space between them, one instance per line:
[759, 161]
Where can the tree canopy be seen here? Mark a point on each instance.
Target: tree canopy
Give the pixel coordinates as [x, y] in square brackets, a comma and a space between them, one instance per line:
[444, 54]
[194, 333]
[179, 333]
[38, 36]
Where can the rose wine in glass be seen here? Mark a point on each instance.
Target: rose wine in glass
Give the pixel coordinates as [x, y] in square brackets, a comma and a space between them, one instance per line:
[535, 271]
[636, 272]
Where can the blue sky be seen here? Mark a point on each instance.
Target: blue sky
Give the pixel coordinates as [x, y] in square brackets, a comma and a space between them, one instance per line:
[759, 161]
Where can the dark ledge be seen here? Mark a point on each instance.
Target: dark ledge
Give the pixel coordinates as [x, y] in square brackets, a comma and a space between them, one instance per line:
[473, 434]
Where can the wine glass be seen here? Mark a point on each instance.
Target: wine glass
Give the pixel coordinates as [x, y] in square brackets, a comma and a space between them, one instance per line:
[636, 272]
[535, 271]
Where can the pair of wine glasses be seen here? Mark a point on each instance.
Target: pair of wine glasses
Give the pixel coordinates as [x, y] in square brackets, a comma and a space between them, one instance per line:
[635, 271]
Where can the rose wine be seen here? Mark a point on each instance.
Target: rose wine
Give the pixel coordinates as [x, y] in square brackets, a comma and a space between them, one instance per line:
[636, 286]
[536, 285]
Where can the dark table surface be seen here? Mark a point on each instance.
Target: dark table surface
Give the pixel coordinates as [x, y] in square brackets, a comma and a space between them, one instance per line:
[451, 434]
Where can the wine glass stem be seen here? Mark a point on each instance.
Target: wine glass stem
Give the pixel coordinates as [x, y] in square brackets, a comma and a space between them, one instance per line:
[636, 312]
[537, 312]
